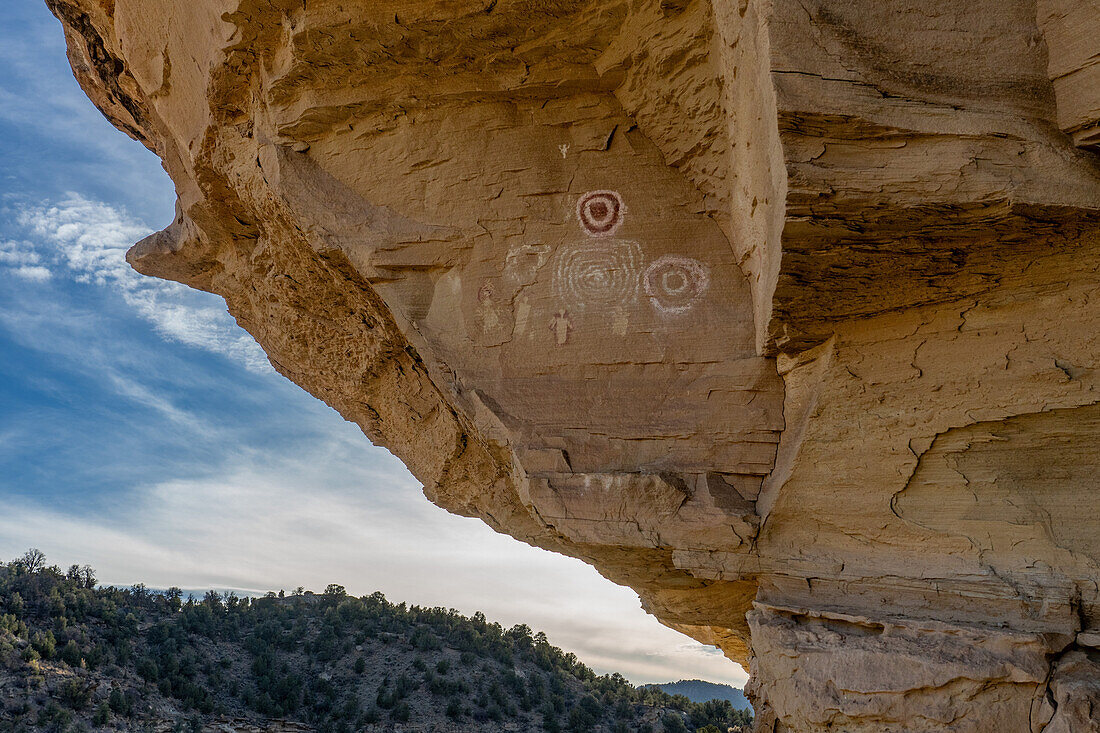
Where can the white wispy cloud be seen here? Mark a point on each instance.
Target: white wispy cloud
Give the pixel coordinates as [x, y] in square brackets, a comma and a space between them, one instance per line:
[86, 241]
[21, 260]
[36, 273]
[16, 254]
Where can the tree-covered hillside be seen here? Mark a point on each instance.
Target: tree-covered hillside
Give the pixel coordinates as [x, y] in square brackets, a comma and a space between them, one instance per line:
[77, 657]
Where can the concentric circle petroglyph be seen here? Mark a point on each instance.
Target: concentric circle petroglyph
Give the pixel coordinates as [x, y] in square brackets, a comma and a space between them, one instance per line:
[674, 283]
[601, 273]
[600, 212]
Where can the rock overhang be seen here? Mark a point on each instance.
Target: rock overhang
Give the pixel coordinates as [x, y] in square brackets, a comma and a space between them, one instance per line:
[780, 313]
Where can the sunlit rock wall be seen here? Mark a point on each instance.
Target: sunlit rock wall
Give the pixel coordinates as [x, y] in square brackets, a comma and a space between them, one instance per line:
[784, 314]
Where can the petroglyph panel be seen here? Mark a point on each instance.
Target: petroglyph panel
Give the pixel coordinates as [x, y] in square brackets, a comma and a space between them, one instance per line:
[614, 322]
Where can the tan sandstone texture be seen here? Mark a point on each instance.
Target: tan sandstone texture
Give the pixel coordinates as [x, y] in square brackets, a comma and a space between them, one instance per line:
[784, 313]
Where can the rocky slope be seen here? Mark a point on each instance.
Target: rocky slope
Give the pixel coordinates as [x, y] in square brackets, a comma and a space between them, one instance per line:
[781, 312]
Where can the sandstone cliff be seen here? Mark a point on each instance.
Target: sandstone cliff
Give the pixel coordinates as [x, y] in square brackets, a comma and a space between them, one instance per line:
[781, 312]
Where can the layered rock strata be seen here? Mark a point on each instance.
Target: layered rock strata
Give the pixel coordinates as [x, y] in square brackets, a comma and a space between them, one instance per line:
[782, 313]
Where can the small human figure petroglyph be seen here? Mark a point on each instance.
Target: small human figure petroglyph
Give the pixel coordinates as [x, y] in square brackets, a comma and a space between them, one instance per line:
[487, 309]
[620, 322]
[564, 151]
[523, 311]
[561, 325]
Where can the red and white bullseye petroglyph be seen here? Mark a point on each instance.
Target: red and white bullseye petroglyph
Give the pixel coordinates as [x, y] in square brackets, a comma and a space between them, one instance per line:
[600, 213]
[674, 283]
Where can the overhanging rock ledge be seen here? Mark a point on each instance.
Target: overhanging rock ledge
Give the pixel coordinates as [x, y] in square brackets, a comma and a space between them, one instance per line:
[783, 313]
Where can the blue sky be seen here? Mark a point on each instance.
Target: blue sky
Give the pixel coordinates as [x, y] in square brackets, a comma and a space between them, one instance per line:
[143, 433]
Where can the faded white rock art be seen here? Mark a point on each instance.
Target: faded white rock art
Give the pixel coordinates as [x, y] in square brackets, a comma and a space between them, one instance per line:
[487, 309]
[523, 312]
[523, 262]
[597, 273]
[620, 321]
[675, 283]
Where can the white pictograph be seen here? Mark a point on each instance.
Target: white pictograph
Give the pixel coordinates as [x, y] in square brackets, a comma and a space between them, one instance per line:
[522, 263]
[674, 283]
[620, 321]
[600, 274]
[523, 312]
[486, 309]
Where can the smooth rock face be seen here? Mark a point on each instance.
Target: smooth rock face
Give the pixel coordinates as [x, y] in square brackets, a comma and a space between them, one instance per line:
[783, 313]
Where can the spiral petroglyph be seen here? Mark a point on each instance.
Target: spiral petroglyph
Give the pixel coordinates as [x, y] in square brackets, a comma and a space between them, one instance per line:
[674, 283]
[600, 213]
[601, 273]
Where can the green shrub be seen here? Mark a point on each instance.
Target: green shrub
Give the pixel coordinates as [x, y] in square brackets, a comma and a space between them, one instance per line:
[673, 723]
[294, 660]
[44, 644]
[119, 702]
[54, 718]
[75, 694]
[71, 655]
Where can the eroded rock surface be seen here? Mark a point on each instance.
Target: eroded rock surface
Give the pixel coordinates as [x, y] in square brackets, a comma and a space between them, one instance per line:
[784, 314]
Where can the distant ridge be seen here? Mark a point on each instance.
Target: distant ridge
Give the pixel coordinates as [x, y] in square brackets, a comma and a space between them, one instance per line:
[702, 691]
